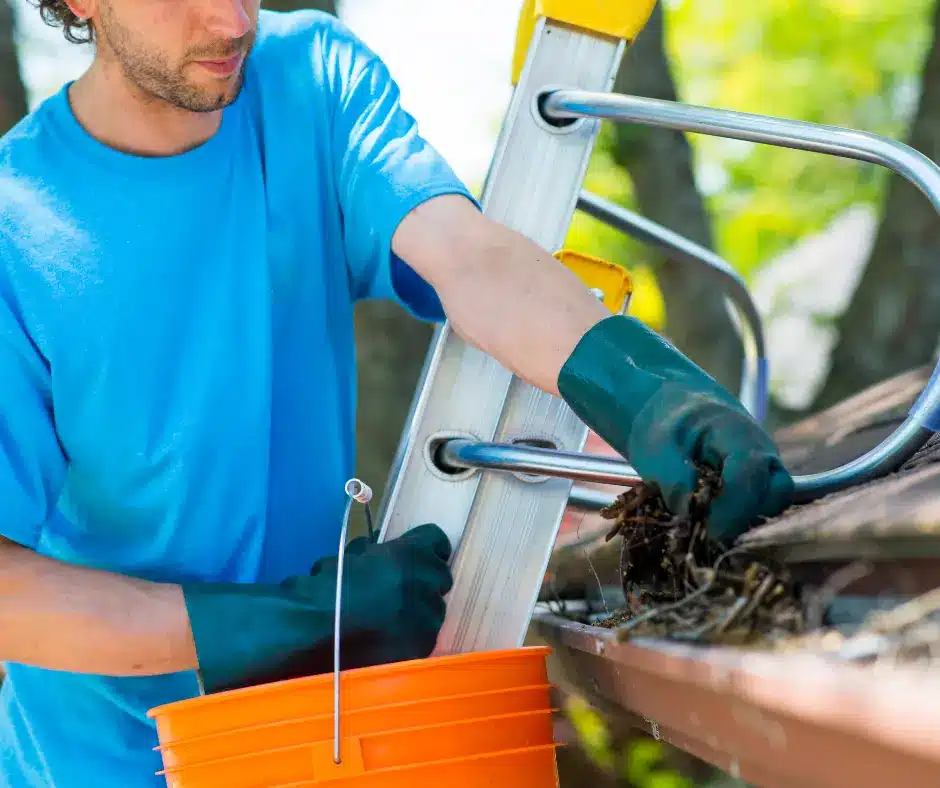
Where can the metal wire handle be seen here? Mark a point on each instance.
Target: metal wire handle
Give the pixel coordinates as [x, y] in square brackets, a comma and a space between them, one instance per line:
[356, 491]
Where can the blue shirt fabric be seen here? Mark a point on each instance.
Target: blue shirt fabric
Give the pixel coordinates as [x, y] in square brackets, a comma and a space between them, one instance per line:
[177, 379]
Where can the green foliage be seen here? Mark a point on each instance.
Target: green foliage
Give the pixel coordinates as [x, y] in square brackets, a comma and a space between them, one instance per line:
[644, 766]
[638, 763]
[588, 235]
[850, 63]
[592, 732]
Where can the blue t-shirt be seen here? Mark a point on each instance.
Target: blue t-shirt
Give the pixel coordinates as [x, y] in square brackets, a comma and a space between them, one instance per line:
[177, 365]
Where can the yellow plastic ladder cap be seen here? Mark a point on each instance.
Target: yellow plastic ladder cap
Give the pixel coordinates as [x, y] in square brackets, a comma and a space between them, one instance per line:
[622, 19]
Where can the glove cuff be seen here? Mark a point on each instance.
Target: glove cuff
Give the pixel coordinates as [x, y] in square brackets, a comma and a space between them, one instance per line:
[245, 633]
[606, 381]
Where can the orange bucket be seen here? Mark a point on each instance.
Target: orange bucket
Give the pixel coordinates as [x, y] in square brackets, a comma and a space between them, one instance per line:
[362, 688]
[470, 720]
[359, 722]
[366, 757]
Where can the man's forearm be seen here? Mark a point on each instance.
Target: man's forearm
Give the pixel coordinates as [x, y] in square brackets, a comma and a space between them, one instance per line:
[501, 292]
[64, 617]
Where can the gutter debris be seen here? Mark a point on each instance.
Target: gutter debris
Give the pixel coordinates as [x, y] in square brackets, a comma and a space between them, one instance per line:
[681, 584]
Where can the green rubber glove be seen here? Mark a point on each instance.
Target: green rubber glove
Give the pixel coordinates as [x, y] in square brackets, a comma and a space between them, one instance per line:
[663, 413]
[393, 610]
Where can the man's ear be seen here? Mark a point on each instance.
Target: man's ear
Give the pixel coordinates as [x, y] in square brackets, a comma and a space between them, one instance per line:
[83, 9]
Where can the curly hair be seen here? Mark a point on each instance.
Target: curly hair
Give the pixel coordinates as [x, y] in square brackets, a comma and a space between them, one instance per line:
[57, 12]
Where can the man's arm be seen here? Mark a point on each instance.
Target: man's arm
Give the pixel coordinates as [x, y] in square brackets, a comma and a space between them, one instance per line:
[52, 614]
[63, 617]
[511, 299]
[502, 293]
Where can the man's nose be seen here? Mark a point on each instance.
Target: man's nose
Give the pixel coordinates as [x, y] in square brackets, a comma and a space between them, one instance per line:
[226, 18]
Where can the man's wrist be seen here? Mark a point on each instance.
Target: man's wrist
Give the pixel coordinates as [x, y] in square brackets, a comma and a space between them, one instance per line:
[168, 607]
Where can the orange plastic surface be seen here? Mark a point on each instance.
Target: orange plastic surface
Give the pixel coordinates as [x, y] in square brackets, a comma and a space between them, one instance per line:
[364, 688]
[357, 723]
[380, 752]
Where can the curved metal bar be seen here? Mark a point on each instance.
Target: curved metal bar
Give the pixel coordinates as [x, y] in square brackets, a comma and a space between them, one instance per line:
[460, 454]
[832, 140]
[910, 436]
[755, 388]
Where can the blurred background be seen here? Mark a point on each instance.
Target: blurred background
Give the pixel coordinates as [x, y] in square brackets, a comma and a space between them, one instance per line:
[841, 256]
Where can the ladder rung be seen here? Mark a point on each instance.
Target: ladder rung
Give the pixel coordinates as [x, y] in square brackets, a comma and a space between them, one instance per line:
[459, 454]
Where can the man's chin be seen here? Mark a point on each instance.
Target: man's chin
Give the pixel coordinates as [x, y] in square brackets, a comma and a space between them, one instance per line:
[213, 99]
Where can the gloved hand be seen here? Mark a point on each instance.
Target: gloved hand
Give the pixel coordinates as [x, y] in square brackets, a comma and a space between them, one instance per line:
[393, 610]
[663, 414]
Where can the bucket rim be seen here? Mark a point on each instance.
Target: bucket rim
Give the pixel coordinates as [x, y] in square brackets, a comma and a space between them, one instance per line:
[390, 707]
[392, 668]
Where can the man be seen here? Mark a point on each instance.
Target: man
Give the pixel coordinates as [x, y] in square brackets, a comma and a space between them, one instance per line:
[185, 230]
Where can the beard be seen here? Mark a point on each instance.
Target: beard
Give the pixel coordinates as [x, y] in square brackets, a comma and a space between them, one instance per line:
[153, 73]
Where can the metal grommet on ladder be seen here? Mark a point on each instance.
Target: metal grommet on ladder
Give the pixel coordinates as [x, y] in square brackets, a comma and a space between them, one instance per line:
[566, 126]
[356, 490]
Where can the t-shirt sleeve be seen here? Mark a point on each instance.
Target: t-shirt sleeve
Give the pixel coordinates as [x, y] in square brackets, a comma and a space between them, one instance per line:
[384, 169]
[32, 463]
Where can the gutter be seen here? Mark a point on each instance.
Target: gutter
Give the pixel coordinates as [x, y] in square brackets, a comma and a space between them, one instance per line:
[795, 720]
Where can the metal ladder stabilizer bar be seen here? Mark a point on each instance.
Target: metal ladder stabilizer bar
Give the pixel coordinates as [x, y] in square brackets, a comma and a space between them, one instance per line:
[572, 106]
[564, 106]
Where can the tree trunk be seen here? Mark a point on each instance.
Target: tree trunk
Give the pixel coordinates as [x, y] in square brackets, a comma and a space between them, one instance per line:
[893, 321]
[660, 165]
[13, 105]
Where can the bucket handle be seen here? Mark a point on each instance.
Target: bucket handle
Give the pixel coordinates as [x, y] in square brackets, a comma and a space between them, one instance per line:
[356, 490]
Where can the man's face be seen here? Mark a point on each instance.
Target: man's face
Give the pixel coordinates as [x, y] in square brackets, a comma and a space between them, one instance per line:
[189, 53]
